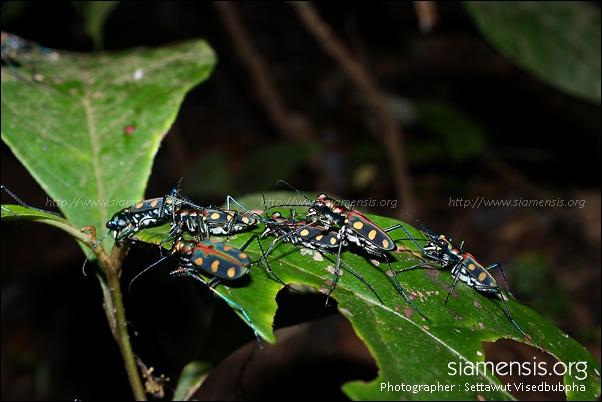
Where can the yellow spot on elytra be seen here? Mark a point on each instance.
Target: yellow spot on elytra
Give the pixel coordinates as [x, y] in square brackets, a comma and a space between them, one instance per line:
[492, 284]
[472, 267]
[214, 215]
[243, 256]
[198, 261]
[333, 240]
[139, 205]
[304, 232]
[372, 234]
[319, 237]
[214, 266]
[227, 248]
[482, 276]
[231, 272]
[358, 225]
[385, 244]
[245, 220]
[229, 217]
[154, 203]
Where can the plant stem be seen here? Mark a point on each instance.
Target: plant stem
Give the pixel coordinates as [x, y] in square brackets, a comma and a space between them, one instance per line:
[116, 315]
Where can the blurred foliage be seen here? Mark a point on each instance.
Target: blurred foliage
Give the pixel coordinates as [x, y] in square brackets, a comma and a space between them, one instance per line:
[95, 14]
[458, 136]
[559, 42]
[530, 271]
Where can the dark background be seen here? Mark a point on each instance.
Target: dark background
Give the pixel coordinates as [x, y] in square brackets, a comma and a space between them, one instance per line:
[55, 340]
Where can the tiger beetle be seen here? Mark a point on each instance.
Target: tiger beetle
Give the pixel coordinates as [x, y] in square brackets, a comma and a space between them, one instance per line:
[354, 228]
[208, 221]
[13, 46]
[219, 221]
[311, 236]
[465, 267]
[125, 223]
[183, 215]
[211, 257]
[14, 197]
[147, 213]
[295, 232]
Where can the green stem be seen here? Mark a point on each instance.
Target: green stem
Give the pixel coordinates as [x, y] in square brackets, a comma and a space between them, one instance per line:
[116, 316]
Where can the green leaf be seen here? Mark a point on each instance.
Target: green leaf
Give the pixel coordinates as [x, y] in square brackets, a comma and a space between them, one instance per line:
[89, 130]
[407, 348]
[12, 213]
[559, 42]
[20, 213]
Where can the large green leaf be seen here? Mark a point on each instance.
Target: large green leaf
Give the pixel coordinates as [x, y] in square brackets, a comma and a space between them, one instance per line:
[88, 131]
[407, 348]
[557, 41]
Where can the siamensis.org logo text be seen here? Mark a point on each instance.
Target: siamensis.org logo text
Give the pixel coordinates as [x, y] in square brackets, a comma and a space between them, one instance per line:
[579, 369]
